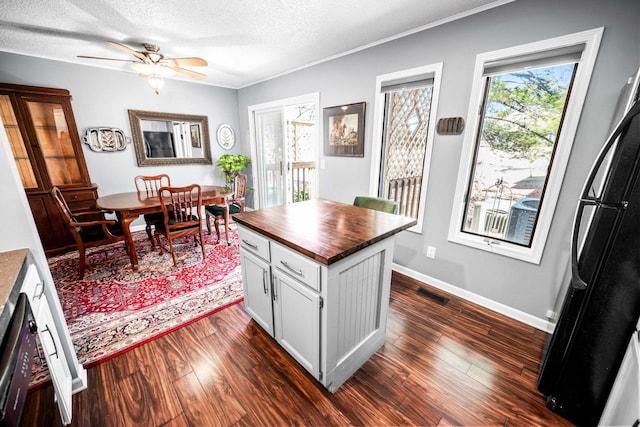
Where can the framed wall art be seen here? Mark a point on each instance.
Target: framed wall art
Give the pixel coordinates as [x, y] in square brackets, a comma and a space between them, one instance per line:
[344, 130]
[195, 135]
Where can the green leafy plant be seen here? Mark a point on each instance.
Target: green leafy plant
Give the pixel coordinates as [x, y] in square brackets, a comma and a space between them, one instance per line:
[301, 195]
[231, 164]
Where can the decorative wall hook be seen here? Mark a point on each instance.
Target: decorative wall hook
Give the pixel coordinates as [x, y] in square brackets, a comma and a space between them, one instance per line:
[106, 139]
[450, 126]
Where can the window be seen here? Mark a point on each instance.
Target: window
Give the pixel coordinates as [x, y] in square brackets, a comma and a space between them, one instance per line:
[521, 125]
[405, 111]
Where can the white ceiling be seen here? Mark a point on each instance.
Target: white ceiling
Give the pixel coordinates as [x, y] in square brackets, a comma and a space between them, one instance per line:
[244, 41]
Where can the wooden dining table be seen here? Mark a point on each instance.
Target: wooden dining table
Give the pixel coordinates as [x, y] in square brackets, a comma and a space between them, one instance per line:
[129, 206]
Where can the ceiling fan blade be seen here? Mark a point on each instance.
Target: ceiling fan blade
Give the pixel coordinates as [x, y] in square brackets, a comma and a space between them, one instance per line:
[185, 62]
[108, 59]
[135, 53]
[188, 73]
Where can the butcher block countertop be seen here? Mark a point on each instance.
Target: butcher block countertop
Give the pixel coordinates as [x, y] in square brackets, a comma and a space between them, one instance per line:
[11, 272]
[10, 266]
[324, 230]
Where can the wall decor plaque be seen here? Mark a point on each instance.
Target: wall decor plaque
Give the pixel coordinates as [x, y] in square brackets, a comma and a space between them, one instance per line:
[226, 136]
[105, 139]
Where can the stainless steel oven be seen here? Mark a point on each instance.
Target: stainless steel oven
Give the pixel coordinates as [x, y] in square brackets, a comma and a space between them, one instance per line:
[16, 359]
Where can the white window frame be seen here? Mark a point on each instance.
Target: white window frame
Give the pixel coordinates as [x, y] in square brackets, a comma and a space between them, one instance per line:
[591, 41]
[427, 71]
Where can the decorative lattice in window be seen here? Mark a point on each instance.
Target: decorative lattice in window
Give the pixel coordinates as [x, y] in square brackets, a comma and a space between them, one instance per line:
[405, 147]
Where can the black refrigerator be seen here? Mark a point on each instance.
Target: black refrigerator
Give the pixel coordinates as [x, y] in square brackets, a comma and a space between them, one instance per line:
[602, 303]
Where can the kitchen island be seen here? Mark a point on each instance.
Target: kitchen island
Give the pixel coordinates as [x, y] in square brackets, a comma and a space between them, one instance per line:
[316, 277]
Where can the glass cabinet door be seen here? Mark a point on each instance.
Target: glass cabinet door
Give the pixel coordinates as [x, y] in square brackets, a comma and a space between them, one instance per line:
[16, 141]
[52, 132]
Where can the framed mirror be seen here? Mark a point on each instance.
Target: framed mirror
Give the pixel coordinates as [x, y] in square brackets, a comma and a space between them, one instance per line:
[169, 138]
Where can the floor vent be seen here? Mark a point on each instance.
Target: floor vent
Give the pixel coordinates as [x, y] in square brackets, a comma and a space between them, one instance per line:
[434, 297]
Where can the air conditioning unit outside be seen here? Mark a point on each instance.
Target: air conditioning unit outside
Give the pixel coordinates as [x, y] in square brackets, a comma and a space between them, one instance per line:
[522, 218]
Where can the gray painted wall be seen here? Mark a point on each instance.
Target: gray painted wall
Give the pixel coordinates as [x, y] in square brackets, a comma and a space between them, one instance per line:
[102, 97]
[530, 288]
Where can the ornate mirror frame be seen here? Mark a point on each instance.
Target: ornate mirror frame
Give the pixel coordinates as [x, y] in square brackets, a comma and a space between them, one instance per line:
[137, 116]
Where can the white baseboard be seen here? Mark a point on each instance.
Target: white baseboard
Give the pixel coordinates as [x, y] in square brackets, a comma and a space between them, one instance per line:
[138, 228]
[520, 316]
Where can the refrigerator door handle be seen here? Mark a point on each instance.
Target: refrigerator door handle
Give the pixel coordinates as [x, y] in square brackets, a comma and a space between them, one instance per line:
[595, 200]
[576, 280]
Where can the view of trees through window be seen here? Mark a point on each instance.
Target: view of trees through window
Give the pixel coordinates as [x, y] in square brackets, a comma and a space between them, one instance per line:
[521, 119]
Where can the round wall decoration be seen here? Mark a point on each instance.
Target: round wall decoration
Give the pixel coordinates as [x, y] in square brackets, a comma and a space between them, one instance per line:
[226, 137]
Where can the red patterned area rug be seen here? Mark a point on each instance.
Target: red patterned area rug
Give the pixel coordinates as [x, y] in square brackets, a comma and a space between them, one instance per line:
[114, 309]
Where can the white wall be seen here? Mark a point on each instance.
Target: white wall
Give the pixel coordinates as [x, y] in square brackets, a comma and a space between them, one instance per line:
[529, 288]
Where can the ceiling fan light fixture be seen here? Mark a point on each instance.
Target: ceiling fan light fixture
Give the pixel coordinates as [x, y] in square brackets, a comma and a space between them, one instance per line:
[153, 65]
[149, 69]
[156, 82]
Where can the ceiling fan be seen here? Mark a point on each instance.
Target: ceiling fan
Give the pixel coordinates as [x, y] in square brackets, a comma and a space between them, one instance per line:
[153, 65]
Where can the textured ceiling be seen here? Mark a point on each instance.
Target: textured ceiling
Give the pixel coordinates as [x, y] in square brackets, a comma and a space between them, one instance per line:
[244, 41]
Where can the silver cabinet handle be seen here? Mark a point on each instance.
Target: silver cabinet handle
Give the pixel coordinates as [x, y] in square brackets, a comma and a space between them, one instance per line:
[298, 272]
[264, 281]
[248, 243]
[53, 341]
[275, 287]
[41, 285]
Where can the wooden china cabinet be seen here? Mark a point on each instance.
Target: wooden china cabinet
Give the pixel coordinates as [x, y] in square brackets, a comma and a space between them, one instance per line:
[46, 147]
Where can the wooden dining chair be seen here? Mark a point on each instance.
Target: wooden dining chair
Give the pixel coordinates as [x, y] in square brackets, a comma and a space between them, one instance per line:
[181, 207]
[148, 185]
[90, 232]
[376, 203]
[235, 204]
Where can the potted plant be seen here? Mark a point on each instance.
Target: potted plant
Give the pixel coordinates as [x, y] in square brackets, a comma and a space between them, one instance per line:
[231, 164]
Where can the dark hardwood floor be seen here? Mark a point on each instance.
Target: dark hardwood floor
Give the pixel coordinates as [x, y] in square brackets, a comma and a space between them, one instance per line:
[458, 364]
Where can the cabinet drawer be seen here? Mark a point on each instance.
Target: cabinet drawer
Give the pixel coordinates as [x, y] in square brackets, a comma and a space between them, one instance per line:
[295, 265]
[81, 200]
[254, 243]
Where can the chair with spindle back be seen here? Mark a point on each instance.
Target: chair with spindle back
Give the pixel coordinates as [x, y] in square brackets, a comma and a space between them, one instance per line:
[148, 185]
[181, 207]
[90, 232]
[235, 205]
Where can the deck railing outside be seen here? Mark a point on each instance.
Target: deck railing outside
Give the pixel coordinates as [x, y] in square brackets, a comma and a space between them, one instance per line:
[303, 175]
[405, 191]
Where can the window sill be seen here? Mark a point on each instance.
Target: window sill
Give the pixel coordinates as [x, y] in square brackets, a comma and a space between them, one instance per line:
[532, 255]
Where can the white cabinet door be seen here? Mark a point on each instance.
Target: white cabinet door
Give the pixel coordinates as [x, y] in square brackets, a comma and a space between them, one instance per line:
[297, 321]
[50, 343]
[256, 282]
[58, 368]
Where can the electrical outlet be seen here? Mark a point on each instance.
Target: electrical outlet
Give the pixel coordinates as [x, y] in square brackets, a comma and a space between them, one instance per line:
[431, 252]
[550, 314]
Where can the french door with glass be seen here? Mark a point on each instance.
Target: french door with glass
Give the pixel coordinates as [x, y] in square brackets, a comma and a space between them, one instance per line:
[283, 144]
